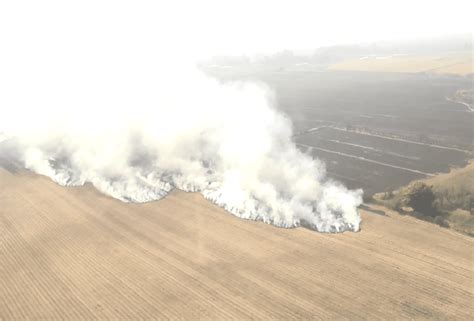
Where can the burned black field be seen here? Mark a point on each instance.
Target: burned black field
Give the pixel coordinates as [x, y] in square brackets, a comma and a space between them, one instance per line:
[376, 131]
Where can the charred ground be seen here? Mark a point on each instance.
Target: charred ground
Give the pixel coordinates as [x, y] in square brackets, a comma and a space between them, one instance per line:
[378, 131]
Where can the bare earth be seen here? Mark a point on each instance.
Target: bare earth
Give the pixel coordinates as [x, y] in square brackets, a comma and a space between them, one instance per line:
[454, 64]
[74, 253]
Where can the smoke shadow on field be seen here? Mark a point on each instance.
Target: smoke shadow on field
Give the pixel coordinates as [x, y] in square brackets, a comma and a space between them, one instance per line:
[9, 157]
[369, 209]
[9, 166]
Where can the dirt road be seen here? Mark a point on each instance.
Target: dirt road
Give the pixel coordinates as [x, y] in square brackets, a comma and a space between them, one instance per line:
[74, 253]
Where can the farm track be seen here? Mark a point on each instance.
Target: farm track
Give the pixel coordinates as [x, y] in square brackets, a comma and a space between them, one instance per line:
[366, 159]
[72, 253]
[384, 137]
[468, 106]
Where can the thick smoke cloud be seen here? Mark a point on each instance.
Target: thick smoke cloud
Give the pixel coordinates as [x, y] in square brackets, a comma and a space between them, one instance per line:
[114, 110]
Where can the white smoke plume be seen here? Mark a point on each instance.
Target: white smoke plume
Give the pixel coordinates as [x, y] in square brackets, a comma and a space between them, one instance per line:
[127, 111]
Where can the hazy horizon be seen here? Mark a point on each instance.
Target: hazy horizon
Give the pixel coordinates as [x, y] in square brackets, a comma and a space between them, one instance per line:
[208, 28]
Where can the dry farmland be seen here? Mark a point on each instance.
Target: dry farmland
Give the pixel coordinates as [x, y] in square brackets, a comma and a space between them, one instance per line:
[455, 64]
[70, 252]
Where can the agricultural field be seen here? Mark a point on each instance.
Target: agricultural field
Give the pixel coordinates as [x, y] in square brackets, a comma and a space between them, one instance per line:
[454, 64]
[377, 163]
[376, 131]
[73, 253]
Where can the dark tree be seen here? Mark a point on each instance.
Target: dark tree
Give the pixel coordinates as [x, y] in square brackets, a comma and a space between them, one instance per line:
[420, 197]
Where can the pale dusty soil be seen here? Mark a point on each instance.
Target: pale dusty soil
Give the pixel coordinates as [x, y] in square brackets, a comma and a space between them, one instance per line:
[73, 253]
[456, 64]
